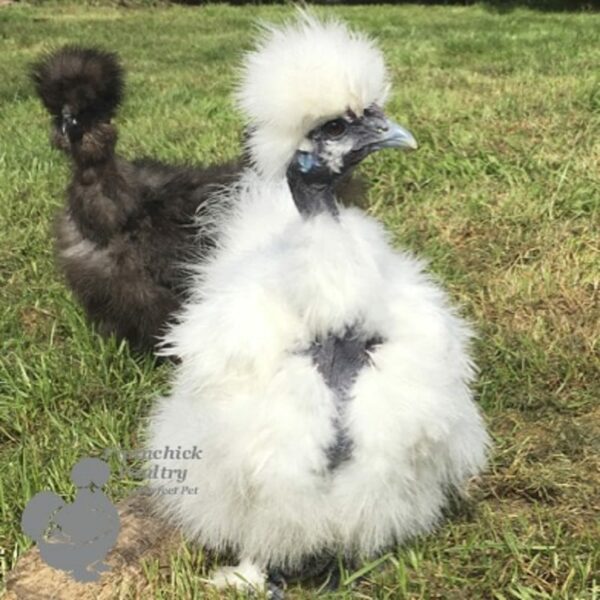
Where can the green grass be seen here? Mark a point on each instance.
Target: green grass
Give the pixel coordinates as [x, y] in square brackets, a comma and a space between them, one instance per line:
[503, 198]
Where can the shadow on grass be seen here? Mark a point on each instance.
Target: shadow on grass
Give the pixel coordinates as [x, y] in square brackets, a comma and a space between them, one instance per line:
[501, 6]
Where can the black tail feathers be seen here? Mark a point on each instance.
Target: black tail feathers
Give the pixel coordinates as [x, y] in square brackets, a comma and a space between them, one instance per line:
[85, 84]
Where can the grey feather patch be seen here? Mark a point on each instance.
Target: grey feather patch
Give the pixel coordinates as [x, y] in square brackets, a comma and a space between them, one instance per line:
[339, 359]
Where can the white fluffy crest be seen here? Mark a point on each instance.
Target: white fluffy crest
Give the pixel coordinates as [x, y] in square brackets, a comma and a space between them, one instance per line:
[300, 75]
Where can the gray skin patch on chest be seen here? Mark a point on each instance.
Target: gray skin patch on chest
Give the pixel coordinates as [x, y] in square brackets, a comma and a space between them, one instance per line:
[339, 359]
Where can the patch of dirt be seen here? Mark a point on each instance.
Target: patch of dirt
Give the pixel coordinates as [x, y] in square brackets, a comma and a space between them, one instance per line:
[33, 318]
[142, 537]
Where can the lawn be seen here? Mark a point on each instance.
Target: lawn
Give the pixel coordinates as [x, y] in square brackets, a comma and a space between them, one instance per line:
[503, 199]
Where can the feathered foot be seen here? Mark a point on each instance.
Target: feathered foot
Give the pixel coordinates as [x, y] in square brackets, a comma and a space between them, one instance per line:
[247, 575]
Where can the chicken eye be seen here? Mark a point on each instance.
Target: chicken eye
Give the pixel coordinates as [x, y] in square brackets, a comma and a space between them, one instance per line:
[335, 128]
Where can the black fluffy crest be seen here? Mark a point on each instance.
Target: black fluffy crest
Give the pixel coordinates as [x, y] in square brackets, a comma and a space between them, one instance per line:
[88, 82]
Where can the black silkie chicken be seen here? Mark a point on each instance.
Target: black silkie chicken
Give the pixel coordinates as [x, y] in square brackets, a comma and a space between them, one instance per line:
[129, 227]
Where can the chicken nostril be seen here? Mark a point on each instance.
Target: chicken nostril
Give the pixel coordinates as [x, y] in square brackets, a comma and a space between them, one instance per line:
[382, 126]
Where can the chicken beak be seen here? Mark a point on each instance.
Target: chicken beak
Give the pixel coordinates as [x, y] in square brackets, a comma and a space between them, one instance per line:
[392, 135]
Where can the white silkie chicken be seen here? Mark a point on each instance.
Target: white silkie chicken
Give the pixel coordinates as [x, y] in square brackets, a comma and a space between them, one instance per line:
[323, 374]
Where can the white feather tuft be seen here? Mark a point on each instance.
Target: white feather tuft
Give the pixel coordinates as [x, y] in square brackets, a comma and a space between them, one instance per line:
[303, 74]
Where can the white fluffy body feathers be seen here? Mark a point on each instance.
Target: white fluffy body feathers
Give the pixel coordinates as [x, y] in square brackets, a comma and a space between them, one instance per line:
[249, 396]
